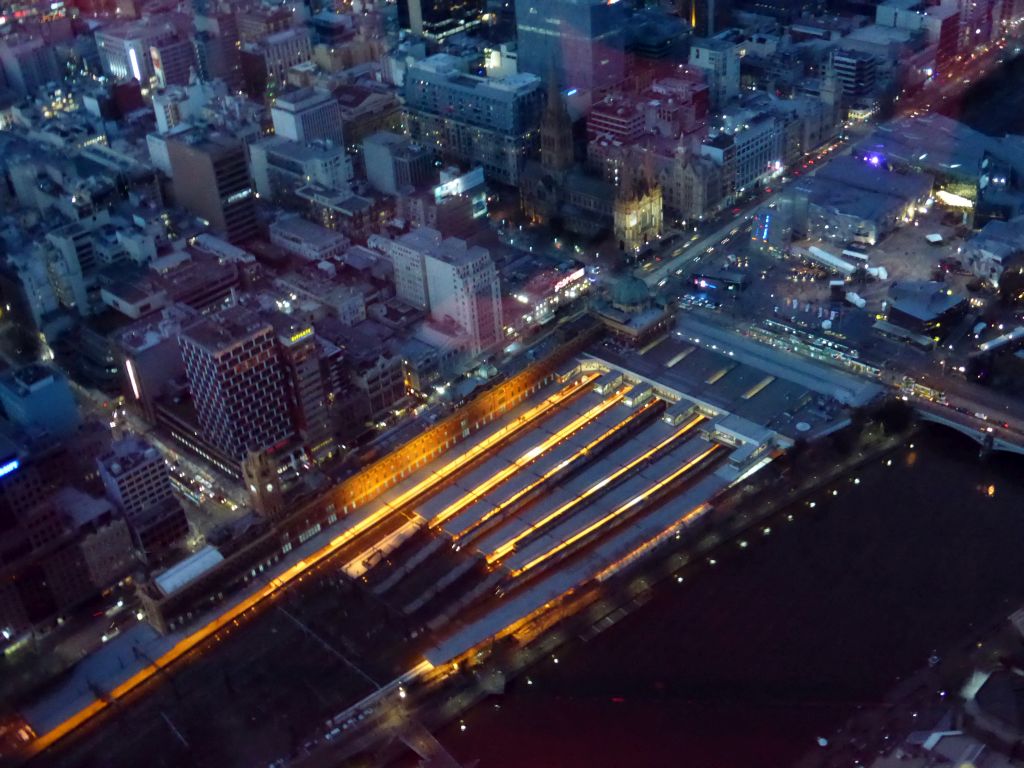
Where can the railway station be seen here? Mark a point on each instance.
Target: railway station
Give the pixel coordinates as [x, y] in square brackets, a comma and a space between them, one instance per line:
[635, 451]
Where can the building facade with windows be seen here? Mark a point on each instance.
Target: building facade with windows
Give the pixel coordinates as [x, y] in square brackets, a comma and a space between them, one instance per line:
[580, 43]
[236, 380]
[490, 122]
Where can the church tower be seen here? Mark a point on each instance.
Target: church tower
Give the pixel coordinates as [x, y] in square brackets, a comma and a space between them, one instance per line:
[638, 213]
[556, 142]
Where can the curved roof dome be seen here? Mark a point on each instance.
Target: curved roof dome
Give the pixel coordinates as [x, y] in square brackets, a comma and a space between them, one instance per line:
[630, 291]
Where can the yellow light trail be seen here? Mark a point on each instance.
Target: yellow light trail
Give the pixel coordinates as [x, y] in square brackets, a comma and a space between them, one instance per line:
[538, 450]
[617, 512]
[211, 628]
[510, 545]
[499, 508]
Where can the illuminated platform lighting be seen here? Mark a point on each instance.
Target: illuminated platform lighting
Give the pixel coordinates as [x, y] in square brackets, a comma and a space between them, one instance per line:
[617, 512]
[510, 545]
[498, 509]
[541, 448]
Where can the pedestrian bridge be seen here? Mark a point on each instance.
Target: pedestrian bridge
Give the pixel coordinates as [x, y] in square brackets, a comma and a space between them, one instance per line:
[987, 440]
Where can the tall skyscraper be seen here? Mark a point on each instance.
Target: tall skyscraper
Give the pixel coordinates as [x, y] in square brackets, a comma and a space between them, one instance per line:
[237, 381]
[304, 382]
[437, 19]
[210, 172]
[581, 41]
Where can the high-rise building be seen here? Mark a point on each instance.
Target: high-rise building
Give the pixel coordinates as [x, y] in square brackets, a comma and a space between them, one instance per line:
[37, 397]
[758, 140]
[210, 172]
[74, 262]
[27, 64]
[394, 163]
[977, 23]
[135, 475]
[173, 61]
[237, 382]
[721, 150]
[437, 19]
[257, 22]
[216, 43]
[152, 357]
[474, 120]
[940, 24]
[125, 50]
[454, 282]
[856, 72]
[280, 166]
[307, 114]
[580, 43]
[463, 285]
[406, 256]
[307, 395]
[719, 58]
[708, 17]
[283, 50]
[136, 479]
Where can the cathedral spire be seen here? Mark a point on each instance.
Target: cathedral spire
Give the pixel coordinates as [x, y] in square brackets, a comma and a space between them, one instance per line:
[556, 141]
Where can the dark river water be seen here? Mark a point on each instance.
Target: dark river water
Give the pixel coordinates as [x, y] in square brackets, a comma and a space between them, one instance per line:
[747, 662]
[994, 105]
